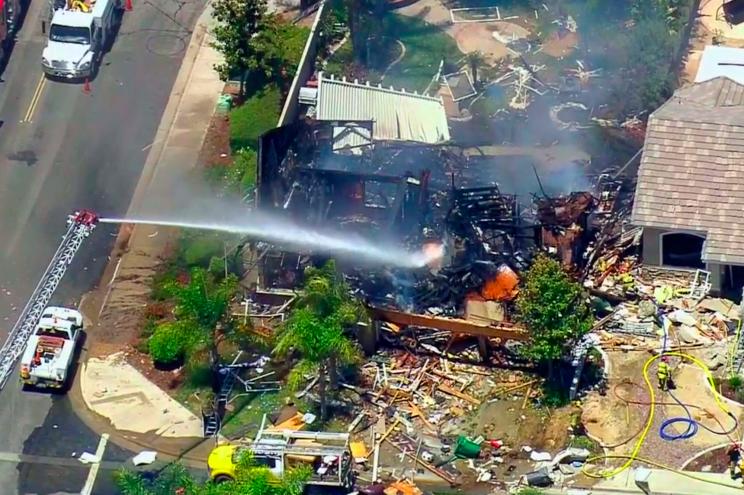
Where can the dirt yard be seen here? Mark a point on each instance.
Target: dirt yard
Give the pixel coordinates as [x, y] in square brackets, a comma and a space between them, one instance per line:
[618, 418]
[470, 36]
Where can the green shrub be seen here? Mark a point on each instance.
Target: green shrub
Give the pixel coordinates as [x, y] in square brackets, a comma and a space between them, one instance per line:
[257, 115]
[170, 342]
[735, 382]
[160, 283]
[554, 396]
[530, 491]
[740, 395]
[198, 371]
[584, 442]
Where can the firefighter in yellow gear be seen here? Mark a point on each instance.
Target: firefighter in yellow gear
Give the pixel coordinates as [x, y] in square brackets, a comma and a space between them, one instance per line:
[664, 373]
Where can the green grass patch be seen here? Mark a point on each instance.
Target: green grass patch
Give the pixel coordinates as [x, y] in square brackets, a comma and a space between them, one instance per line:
[426, 45]
[245, 419]
[258, 114]
[239, 177]
[341, 60]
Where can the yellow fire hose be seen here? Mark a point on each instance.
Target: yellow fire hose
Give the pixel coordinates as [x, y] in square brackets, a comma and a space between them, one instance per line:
[633, 457]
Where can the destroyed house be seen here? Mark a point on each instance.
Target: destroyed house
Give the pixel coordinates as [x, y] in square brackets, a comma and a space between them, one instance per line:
[690, 188]
[298, 173]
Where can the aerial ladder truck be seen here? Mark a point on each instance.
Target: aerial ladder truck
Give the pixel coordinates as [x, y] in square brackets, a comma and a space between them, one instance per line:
[80, 225]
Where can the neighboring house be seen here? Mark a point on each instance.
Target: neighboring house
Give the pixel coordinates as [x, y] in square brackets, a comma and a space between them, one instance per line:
[690, 193]
[396, 115]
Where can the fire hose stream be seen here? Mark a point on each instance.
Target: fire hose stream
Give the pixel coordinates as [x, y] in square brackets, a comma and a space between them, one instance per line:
[652, 403]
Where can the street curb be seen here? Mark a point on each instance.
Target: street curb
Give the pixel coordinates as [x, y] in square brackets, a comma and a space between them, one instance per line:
[702, 453]
[132, 440]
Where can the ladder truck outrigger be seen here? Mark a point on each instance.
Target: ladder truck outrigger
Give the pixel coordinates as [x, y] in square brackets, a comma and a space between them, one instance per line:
[36, 317]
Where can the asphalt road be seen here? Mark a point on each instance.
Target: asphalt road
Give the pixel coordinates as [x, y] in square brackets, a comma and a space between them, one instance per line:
[61, 150]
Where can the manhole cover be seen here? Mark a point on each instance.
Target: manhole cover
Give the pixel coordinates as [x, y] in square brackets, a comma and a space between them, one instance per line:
[166, 45]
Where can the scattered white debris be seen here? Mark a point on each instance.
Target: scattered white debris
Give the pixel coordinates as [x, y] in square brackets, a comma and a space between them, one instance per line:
[309, 418]
[88, 458]
[144, 458]
[540, 456]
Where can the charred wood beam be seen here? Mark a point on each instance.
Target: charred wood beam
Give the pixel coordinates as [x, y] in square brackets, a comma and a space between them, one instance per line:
[502, 330]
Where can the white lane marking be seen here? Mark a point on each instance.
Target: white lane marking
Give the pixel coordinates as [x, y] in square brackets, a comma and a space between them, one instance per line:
[93, 473]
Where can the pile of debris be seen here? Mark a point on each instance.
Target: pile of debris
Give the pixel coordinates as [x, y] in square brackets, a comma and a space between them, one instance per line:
[424, 408]
[672, 304]
[434, 415]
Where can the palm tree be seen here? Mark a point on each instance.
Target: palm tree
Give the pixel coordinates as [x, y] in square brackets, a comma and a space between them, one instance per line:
[317, 329]
[475, 61]
[201, 304]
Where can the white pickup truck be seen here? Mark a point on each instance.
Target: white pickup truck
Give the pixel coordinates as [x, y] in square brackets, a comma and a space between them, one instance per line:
[50, 351]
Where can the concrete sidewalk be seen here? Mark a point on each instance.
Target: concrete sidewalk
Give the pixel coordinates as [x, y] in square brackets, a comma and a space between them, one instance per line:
[114, 389]
[661, 482]
[119, 396]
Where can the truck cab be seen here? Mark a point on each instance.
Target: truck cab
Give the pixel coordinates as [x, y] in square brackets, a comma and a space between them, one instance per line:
[49, 353]
[78, 35]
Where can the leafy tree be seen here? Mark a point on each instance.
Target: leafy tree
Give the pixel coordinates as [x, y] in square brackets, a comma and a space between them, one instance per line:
[652, 45]
[250, 480]
[552, 307]
[238, 21]
[365, 21]
[317, 329]
[254, 40]
[278, 47]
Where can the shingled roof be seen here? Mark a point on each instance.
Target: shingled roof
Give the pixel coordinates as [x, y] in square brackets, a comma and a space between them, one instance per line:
[692, 170]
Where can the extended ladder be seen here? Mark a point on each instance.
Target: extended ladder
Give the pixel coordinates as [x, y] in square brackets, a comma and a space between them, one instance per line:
[80, 225]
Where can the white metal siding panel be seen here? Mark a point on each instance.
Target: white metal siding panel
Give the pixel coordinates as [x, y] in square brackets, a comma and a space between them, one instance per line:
[396, 115]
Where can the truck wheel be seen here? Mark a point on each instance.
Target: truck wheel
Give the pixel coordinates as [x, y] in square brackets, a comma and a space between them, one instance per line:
[222, 478]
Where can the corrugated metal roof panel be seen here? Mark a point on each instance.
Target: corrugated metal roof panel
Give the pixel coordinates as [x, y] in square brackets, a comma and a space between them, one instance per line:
[397, 115]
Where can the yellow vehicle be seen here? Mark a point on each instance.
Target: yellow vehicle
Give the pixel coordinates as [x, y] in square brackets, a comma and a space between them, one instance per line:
[328, 454]
[222, 461]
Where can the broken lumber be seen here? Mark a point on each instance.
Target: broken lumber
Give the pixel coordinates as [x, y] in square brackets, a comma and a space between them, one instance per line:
[442, 474]
[516, 387]
[456, 393]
